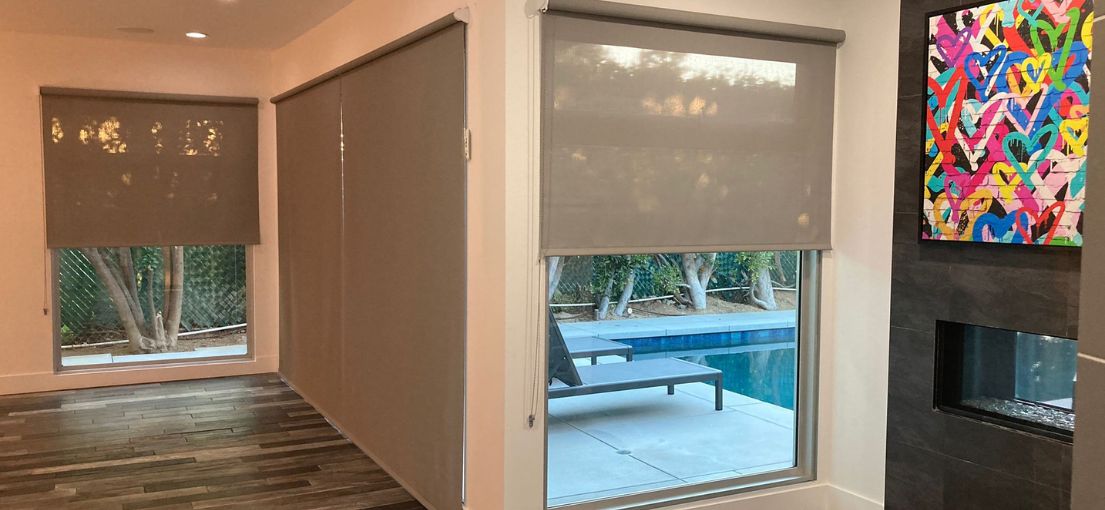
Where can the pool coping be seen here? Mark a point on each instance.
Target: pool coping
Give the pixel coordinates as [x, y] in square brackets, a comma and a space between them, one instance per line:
[680, 325]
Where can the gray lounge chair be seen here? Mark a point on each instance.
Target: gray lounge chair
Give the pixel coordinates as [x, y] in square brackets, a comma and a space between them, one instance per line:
[594, 347]
[567, 380]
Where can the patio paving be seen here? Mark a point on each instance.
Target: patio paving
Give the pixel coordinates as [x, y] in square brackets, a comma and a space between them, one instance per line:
[201, 352]
[633, 441]
[679, 325]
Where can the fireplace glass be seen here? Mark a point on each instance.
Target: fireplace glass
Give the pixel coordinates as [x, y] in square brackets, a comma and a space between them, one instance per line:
[1017, 379]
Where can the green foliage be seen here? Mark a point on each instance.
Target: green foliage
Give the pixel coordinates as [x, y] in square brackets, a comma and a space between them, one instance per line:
[66, 335]
[666, 279]
[615, 268]
[751, 263]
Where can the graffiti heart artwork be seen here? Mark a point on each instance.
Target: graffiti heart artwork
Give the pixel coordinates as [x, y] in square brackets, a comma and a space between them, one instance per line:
[1007, 116]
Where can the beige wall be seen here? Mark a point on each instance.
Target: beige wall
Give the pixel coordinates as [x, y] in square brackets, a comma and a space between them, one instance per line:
[29, 61]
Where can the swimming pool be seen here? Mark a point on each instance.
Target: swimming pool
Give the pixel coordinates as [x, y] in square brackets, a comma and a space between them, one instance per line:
[761, 364]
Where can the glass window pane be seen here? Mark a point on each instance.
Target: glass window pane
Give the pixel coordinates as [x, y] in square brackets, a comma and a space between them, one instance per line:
[150, 304]
[638, 345]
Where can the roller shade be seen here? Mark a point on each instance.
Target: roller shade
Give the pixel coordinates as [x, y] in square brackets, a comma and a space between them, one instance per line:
[308, 145]
[373, 256]
[403, 282]
[132, 169]
[662, 138]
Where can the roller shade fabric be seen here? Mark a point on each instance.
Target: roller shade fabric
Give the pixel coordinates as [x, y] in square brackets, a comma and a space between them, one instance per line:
[664, 139]
[308, 139]
[404, 286]
[373, 254]
[148, 170]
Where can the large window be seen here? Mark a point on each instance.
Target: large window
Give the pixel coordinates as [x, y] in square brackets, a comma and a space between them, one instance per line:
[150, 304]
[686, 177]
[673, 370]
[150, 200]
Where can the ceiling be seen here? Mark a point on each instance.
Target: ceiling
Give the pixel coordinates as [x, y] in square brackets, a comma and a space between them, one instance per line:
[252, 24]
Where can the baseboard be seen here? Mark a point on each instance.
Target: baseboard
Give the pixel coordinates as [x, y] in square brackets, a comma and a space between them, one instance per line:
[806, 496]
[840, 499]
[54, 381]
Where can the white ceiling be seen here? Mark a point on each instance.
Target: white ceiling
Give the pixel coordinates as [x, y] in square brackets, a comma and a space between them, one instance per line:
[254, 24]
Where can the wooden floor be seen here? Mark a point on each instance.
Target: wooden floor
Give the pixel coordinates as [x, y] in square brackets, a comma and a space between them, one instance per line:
[240, 442]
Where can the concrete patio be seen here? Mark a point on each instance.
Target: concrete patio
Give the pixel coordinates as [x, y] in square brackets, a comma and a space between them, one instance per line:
[199, 353]
[633, 441]
[680, 325]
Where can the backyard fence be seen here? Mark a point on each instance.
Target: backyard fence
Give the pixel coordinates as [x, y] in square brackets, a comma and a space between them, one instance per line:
[576, 280]
[214, 291]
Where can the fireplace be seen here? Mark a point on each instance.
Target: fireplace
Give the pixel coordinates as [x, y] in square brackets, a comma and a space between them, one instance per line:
[1012, 378]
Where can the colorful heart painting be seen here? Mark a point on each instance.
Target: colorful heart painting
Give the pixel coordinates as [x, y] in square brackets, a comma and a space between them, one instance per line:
[1006, 122]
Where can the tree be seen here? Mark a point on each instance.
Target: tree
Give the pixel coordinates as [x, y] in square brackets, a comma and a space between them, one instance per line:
[756, 268]
[686, 276]
[611, 270]
[634, 263]
[147, 329]
[556, 268]
[698, 269]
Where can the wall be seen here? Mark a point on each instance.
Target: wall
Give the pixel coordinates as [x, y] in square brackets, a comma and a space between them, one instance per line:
[31, 60]
[936, 460]
[1087, 491]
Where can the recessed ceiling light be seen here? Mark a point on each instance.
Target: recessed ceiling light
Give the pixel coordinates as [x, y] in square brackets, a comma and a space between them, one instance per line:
[196, 35]
[135, 30]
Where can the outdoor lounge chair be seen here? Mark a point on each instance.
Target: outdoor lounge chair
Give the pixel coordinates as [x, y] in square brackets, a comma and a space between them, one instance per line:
[567, 380]
[593, 347]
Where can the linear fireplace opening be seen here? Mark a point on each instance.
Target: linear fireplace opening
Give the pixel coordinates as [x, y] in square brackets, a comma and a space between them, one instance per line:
[1012, 378]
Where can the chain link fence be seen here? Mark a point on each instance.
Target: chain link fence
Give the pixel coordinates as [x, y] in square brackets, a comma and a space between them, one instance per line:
[577, 278]
[214, 291]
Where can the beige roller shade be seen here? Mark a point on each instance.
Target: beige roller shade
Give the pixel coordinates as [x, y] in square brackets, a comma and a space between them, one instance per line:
[132, 169]
[309, 185]
[658, 138]
[404, 272]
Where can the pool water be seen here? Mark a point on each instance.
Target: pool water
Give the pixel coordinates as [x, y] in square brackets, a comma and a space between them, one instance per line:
[761, 364]
[767, 375]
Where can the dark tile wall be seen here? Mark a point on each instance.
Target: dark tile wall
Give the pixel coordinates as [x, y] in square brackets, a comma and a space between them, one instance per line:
[936, 460]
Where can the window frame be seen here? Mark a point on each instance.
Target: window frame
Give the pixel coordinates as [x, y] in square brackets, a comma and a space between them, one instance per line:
[806, 417]
[55, 322]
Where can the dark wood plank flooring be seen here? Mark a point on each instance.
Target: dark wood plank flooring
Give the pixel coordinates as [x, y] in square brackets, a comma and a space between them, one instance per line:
[236, 442]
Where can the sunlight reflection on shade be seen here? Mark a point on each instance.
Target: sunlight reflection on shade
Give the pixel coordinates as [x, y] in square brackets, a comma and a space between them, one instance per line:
[201, 138]
[106, 134]
[56, 133]
[694, 65]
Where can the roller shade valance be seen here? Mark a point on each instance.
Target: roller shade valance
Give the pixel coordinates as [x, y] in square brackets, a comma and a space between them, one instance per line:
[134, 169]
[668, 139]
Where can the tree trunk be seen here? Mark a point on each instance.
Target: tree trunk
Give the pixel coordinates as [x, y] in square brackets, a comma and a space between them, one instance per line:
[150, 305]
[627, 292]
[556, 268]
[604, 301]
[174, 306]
[698, 268]
[762, 292]
[117, 290]
[128, 277]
